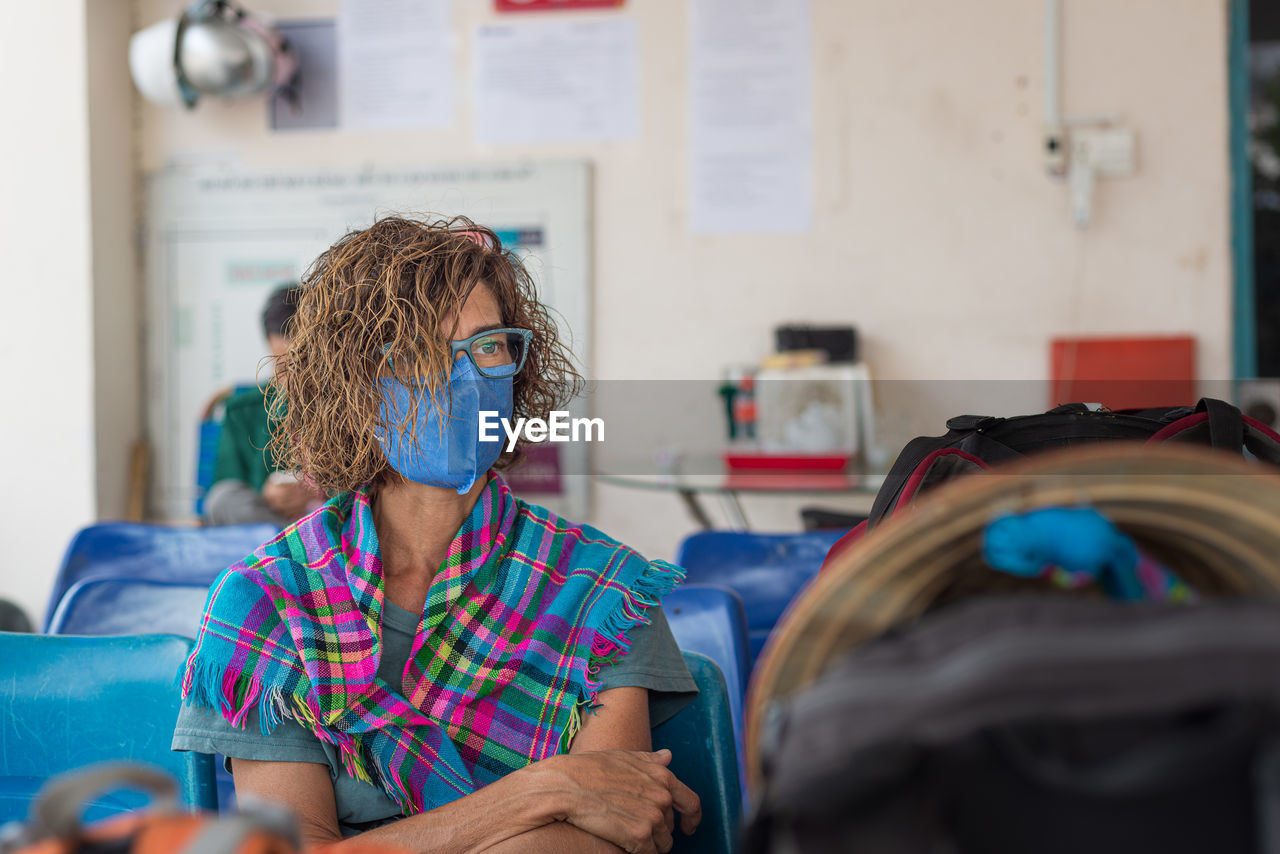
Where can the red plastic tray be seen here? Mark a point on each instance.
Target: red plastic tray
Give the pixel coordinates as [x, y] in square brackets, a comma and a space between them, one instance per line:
[736, 461]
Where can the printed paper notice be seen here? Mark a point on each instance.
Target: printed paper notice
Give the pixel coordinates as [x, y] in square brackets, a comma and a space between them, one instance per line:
[751, 116]
[556, 81]
[395, 63]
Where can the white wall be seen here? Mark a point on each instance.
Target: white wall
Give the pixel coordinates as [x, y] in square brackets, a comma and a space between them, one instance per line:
[46, 324]
[936, 229]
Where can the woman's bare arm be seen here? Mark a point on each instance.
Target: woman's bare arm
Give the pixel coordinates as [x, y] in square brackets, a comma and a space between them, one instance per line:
[609, 792]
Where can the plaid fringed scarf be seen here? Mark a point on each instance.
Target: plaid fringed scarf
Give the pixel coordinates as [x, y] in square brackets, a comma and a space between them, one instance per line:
[522, 614]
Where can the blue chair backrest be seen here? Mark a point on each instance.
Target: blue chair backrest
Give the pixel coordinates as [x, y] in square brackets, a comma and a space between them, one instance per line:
[123, 606]
[766, 570]
[208, 434]
[118, 606]
[710, 620]
[703, 756]
[208, 437]
[72, 701]
[137, 550]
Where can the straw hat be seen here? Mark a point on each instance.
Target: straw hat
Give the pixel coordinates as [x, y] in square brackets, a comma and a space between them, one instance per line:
[1211, 517]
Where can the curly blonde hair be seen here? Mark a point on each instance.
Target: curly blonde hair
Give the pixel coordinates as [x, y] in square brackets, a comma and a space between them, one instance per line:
[383, 293]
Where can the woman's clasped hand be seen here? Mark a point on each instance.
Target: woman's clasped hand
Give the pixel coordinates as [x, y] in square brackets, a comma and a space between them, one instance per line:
[627, 797]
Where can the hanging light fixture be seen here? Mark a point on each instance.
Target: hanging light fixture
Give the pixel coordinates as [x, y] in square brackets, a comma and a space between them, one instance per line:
[215, 47]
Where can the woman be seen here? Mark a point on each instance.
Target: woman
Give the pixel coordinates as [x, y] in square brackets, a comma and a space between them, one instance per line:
[426, 660]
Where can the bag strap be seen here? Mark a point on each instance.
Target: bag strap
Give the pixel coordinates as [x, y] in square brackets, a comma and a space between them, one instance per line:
[1229, 430]
[1261, 441]
[1226, 424]
[57, 810]
[903, 467]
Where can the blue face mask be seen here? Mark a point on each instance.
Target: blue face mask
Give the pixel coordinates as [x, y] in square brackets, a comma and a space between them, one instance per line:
[453, 457]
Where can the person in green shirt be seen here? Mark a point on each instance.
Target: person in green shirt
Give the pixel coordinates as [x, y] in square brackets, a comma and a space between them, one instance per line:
[248, 485]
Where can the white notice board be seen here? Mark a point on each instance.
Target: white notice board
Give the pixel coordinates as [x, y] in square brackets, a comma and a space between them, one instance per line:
[219, 241]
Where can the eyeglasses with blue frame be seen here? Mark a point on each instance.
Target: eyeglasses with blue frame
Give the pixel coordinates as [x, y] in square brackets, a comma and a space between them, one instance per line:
[495, 353]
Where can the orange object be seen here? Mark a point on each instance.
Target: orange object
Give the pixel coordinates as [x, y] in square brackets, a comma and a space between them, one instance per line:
[157, 833]
[1124, 373]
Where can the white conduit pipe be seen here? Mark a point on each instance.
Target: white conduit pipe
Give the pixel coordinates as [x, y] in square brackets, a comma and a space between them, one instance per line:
[1052, 64]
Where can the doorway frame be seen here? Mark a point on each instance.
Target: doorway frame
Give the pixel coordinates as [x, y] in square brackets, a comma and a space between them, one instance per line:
[1244, 336]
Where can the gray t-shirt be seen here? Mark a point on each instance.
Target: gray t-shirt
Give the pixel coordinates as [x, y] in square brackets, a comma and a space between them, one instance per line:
[653, 662]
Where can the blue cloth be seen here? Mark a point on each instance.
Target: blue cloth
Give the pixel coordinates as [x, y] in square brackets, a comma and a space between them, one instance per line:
[1075, 546]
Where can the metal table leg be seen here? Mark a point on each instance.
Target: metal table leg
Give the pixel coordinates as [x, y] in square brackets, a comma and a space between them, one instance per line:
[734, 512]
[691, 503]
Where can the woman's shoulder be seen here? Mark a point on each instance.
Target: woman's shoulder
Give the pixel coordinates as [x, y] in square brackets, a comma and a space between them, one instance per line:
[582, 548]
[580, 533]
[303, 560]
[653, 661]
[287, 555]
[277, 556]
[305, 540]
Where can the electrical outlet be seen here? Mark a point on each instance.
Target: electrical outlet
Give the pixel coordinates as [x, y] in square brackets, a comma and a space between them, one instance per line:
[1108, 152]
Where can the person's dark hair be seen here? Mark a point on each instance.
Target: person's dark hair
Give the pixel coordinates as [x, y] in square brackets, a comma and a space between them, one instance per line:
[381, 294]
[281, 306]
[13, 618]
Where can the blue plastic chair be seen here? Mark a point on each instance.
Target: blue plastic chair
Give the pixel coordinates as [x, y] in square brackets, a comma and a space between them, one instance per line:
[72, 701]
[766, 570]
[122, 606]
[137, 550]
[117, 606]
[710, 620]
[703, 756]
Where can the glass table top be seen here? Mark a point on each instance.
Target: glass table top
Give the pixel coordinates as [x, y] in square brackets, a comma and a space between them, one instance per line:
[708, 473]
